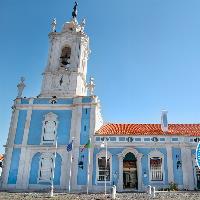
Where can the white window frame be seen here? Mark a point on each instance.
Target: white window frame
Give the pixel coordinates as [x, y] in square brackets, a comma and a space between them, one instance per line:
[45, 156]
[50, 117]
[153, 154]
[175, 139]
[100, 155]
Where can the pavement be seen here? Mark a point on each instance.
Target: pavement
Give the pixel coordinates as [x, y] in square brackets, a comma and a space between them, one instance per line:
[119, 196]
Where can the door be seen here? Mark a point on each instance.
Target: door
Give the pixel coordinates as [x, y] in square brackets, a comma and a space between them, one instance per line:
[130, 179]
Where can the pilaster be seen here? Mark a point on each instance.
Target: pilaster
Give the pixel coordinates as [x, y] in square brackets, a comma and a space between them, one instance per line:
[170, 164]
[186, 157]
[75, 134]
[10, 144]
[64, 168]
[92, 131]
[120, 180]
[22, 182]
[139, 170]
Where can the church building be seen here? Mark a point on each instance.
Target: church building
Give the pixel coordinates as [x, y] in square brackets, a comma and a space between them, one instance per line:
[130, 156]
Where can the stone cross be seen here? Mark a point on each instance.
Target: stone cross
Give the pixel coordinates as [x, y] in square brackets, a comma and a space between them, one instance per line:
[21, 87]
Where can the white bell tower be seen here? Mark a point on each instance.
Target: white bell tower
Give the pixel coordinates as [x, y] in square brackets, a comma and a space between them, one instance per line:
[65, 73]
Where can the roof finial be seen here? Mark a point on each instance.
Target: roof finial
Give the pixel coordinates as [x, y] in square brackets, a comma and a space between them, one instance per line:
[53, 25]
[91, 86]
[21, 87]
[75, 12]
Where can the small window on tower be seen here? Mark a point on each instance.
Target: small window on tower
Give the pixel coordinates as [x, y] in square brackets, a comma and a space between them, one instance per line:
[65, 56]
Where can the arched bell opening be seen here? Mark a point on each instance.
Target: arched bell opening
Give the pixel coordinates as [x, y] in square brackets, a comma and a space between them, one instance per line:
[65, 56]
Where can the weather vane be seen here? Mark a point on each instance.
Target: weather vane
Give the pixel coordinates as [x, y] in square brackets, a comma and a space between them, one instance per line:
[75, 12]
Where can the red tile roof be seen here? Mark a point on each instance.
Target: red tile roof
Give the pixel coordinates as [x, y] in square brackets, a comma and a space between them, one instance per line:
[149, 129]
[1, 157]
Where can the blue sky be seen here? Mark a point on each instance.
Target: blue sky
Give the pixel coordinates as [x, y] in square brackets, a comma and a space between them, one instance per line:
[145, 55]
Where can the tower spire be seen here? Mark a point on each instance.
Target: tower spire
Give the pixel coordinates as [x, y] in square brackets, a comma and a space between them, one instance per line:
[66, 70]
[75, 11]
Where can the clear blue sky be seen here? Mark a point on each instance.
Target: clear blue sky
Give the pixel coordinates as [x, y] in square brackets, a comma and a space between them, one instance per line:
[145, 55]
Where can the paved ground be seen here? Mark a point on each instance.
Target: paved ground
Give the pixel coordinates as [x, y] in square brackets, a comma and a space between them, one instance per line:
[121, 196]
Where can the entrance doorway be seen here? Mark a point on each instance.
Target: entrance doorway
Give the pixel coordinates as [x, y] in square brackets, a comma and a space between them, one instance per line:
[130, 179]
[197, 177]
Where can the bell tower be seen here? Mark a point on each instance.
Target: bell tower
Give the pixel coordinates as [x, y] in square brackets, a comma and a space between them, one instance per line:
[65, 73]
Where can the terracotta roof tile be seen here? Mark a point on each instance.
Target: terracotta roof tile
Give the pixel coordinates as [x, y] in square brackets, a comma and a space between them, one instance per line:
[149, 129]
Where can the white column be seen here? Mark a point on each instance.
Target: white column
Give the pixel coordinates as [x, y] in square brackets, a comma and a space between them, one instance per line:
[27, 167]
[170, 164]
[92, 131]
[186, 158]
[75, 132]
[9, 145]
[6, 167]
[139, 171]
[22, 182]
[64, 168]
[120, 177]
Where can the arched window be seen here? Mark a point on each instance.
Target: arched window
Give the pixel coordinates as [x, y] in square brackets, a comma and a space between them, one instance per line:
[156, 166]
[49, 128]
[104, 170]
[45, 167]
[65, 56]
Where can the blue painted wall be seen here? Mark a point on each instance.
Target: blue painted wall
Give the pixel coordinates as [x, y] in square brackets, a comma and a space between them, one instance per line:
[12, 178]
[193, 151]
[41, 101]
[24, 101]
[35, 167]
[84, 137]
[82, 173]
[178, 173]
[58, 165]
[86, 99]
[59, 101]
[115, 164]
[145, 169]
[65, 101]
[63, 131]
[85, 126]
[115, 167]
[20, 127]
[145, 164]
